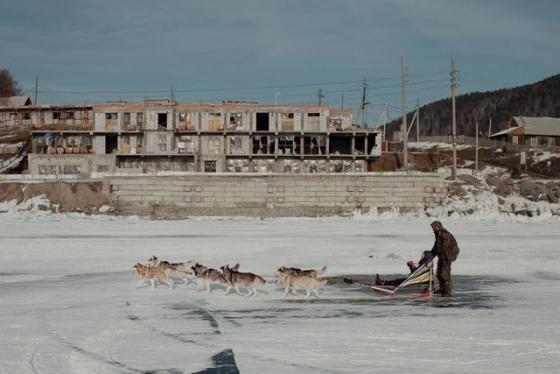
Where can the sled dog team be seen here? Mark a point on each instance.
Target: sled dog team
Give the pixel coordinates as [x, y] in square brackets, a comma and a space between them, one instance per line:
[290, 278]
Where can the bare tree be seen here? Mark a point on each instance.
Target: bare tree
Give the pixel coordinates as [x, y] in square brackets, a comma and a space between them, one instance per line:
[8, 85]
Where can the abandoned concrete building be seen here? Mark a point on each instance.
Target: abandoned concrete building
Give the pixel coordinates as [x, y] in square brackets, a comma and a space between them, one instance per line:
[162, 135]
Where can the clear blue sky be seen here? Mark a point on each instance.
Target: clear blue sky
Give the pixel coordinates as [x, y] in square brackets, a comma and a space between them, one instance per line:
[98, 50]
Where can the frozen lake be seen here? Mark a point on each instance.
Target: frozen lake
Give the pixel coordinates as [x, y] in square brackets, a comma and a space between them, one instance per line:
[71, 304]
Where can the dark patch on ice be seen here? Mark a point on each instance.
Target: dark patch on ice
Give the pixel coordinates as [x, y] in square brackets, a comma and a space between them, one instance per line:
[470, 292]
[223, 363]
[163, 371]
[546, 275]
[198, 312]
[299, 313]
[178, 337]
[233, 321]
[6, 274]
[385, 236]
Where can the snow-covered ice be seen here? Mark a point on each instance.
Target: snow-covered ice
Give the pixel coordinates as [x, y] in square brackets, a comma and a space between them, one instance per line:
[71, 304]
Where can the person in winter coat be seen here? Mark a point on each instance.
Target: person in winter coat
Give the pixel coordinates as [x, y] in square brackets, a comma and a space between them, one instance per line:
[446, 250]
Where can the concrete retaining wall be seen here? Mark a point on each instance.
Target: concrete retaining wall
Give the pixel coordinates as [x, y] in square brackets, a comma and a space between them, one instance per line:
[40, 164]
[273, 195]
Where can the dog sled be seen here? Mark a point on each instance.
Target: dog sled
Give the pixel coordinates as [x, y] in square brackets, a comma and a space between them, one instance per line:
[424, 274]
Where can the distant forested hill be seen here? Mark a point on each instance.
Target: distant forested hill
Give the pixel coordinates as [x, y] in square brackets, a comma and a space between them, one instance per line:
[538, 99]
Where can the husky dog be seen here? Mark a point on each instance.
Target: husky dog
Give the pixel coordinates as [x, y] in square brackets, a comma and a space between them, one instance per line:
[292, 278]
[310, 284]
[208, 276]
[158, 273]
[178, 269]
[236, 278]
[310, 272]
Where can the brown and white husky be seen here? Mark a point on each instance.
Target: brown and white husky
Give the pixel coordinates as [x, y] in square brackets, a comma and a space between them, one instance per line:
[208, 276]
[310, 272]
[293, 278]
[180, 270]
[236, 278]
[153, 273]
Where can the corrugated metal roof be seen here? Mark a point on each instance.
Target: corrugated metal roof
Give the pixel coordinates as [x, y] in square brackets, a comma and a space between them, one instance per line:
[544, 126]
[14, 101]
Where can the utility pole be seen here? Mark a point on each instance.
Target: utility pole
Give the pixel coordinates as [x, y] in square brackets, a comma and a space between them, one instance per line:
[36, 88]
[320, 95]
[417, 120]
[172, 94]
[489, 127]
[453, 117]
[342, 102]
[363, 103]
[476, 151]
[385, 115]
[404, 126]
[276, 98]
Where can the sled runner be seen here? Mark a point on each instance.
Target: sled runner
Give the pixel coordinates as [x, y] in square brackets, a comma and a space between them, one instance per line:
[423, 274]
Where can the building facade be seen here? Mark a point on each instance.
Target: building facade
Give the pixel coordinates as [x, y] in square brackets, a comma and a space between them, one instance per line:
[162, 135]
[538, 132]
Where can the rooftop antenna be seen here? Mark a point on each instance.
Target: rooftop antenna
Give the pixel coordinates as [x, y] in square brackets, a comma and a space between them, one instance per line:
[36, 88]
[320, 96]
[363, 104]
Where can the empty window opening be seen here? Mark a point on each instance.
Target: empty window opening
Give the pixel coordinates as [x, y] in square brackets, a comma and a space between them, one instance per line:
[235, 121]
[140, 119]
[111, 122]
[162, 120]
[286, 145]
[185, 144]
[27, 115]
[55, 115]
[314, 145]
[235, 145]
[335, 124]
[111, 144]
[262, 122]
[69, 115]
[370, 143]
[262, 145]
[340, 145]
[360, 146]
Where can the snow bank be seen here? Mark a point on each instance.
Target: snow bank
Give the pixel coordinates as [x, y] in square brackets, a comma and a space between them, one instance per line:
[440, 146]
